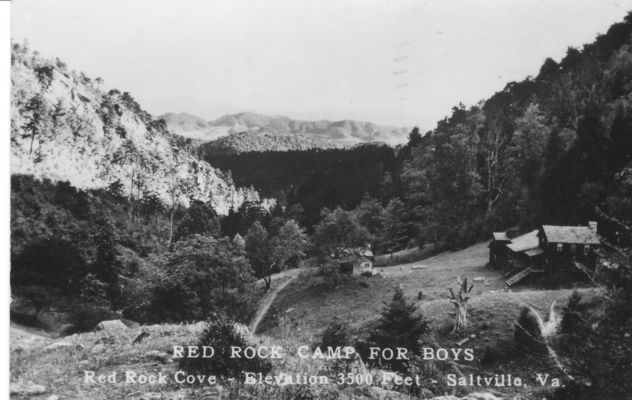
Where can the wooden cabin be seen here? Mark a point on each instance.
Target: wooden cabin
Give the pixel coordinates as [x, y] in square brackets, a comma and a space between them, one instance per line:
[565, 244]
[498, 250]
[354, 261]
[549, 249]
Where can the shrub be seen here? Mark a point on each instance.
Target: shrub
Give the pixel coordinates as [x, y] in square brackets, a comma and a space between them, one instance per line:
[49, 261]
[336, 334]
[527, 331]
[205, 276]
[491, 355]
[220, 333]
[44, 74]
[572, 319]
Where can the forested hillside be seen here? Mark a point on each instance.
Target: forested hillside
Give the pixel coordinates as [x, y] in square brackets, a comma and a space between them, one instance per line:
[101, 194]
[313, 178]
[553, 148]
[249, 141]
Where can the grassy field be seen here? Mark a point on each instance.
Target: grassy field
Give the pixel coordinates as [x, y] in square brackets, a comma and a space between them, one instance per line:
[359, 300]
[310, 303]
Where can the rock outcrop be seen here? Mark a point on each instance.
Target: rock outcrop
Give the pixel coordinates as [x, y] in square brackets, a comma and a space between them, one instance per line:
[67, 127]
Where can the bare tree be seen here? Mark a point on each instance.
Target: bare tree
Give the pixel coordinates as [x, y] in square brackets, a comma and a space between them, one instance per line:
[177, 187]
[494, 144]
[460, 303]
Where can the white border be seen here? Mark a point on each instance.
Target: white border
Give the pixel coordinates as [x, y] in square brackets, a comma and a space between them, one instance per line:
[5, 128]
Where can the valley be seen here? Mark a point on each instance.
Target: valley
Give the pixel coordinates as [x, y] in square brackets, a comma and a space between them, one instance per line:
[132, 233]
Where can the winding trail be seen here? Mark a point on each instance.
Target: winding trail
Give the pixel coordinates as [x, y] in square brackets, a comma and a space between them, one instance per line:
[268, 300]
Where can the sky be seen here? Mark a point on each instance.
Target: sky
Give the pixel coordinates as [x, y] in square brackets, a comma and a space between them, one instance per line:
[393, 62]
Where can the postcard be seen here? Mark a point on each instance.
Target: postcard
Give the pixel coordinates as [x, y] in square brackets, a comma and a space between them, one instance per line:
[320, 200]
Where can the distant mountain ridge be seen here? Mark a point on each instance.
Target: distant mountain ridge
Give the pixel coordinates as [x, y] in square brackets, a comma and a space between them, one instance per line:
[239, 132]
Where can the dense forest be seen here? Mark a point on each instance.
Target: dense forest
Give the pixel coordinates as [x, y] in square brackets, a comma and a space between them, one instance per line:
[314, 178]
[555, 148]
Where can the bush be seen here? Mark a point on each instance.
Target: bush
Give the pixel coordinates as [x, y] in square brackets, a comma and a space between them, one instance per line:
[336, 334]
[527, 332]
[572, 320]
[221, 334]
[491, 355]
[205, 276]
[49, 261]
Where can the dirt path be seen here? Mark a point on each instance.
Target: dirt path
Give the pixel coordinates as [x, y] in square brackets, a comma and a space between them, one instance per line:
[269, 299]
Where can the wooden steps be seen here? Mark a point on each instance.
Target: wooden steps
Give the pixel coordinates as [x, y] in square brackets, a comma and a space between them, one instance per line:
[512, 280]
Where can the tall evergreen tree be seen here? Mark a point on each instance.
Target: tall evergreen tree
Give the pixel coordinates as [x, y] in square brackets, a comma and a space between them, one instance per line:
[401, 325]
[107, 264]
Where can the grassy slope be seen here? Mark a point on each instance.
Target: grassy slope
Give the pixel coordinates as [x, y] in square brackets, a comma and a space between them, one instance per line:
[359, 300]
[493, 308]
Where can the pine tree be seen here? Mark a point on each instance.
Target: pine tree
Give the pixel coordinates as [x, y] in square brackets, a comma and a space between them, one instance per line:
[400, 326]
[106, 264]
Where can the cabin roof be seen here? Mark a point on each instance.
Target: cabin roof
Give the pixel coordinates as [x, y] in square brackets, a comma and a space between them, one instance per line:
[570, 234]
[350, 253]
[501, 236]
[534, 252]
[528, 241]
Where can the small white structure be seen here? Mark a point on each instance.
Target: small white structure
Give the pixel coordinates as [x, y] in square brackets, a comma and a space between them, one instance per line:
[356, 261]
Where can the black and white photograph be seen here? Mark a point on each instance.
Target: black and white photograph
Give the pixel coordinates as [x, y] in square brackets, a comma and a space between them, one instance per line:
[297, 200]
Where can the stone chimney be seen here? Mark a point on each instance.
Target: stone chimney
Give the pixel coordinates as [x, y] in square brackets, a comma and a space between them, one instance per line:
[593, 226]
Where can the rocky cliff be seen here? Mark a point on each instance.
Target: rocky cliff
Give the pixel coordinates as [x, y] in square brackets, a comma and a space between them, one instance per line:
[66, 126]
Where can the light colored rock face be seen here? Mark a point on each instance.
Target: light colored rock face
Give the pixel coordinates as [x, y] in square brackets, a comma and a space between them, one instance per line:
[112, 326]
[62, 345]
[66, 127]
[26, 389]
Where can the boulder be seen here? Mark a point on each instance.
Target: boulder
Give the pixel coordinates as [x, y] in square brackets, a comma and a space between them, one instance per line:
[151, 396]
[98, 348]
[112, 326]
[63, 345]
[478, 279]
[481, 396]
[26, 389]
